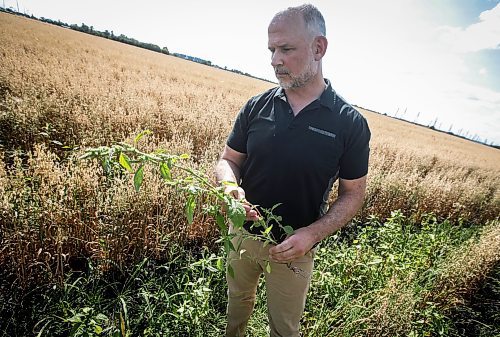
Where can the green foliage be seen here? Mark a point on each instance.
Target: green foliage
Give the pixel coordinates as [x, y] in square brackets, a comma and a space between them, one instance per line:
[180, 297]
[373, 284]
[86, 323]
[123, 158]
[370, 284]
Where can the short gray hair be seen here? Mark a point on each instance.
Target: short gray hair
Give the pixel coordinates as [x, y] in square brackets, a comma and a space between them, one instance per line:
[313, 18]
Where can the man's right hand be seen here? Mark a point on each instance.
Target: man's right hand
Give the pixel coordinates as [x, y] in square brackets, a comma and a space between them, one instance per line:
[228, 169]
[239, 194]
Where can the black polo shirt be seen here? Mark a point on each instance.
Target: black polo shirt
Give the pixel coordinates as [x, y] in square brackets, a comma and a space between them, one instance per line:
[294, 160]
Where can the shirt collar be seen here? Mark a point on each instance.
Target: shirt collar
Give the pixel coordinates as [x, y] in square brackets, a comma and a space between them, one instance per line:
[280, 93]
[328, 98]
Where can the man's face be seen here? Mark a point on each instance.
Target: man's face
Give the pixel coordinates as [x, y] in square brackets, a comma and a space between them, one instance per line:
[291, 47]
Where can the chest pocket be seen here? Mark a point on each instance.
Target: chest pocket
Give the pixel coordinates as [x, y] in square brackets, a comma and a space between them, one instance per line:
[322, 132]
[324, 149]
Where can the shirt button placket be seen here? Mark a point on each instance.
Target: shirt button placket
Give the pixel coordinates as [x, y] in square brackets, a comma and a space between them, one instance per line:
[292, 117]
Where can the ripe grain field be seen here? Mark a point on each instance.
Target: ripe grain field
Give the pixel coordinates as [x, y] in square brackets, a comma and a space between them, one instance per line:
[431, 197]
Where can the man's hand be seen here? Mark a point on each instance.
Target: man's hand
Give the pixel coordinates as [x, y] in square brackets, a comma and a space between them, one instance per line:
[228, 169]
[239, 194]
[295, 246]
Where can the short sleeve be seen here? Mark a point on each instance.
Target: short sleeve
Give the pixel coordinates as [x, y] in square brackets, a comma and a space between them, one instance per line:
[354, 161]
[238, 137]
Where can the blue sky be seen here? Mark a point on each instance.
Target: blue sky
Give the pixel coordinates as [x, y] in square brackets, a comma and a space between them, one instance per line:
[427, 59]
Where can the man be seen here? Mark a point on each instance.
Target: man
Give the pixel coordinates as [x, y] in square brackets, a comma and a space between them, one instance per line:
[288, 146]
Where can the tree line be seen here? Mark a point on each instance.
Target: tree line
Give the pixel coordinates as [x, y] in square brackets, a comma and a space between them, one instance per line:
[90, 30]
[125, 39]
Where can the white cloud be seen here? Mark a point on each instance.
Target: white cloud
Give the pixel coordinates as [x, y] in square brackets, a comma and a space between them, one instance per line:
[391, 62]
[482, 35]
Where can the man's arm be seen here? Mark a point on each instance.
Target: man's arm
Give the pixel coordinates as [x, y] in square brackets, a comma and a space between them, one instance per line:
[229, 165]
[228, 168]
[351, 195]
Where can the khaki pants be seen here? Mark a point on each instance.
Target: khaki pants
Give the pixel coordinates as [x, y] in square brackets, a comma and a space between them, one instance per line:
[286, 289]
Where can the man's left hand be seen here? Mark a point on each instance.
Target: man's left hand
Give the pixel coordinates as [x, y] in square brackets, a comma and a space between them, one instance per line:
[294, 247]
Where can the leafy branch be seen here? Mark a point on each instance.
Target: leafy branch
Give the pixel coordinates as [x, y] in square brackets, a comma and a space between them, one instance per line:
[125, 158]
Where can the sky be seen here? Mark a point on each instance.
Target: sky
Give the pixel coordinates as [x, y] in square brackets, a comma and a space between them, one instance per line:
[434, 62]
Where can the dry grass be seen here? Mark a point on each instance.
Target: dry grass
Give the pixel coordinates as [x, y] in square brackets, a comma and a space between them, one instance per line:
[61, 91]
[466, 268]
[395, 310]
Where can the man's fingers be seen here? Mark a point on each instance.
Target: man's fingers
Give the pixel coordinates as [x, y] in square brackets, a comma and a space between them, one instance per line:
[235, 194]
[294, 247]
[251, 214]
[286, 251]
[235, 191]
[281, 248]
[239, 194]
[283, 256]
[252, 217]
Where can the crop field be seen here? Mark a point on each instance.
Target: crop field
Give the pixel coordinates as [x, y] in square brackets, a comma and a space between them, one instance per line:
[85, 255]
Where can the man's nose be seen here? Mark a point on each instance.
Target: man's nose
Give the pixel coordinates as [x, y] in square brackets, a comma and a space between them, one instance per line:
[276, 59]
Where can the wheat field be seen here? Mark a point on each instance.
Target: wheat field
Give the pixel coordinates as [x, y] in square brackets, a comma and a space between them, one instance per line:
[62, 91]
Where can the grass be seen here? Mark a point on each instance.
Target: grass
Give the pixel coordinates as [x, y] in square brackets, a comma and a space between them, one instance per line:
[377, 279]
[479, 315]
[81, 253]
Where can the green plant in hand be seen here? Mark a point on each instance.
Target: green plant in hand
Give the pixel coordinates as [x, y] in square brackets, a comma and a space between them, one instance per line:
[123, 157]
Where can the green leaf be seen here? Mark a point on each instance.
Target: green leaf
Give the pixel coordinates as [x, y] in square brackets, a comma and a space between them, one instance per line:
[230, 270]
[259, 223]
[87, 310]
[106, 165]
[220, 264]
[101, 317]
[98, 329]
[138, 177]
[375, 261]
[228, 245]
[142, 134]
[219, 219]
[268, 267]
[86, 155]
[190, 206]
[268, 229]
[124, 306]
[125, 162]
[288, 230]
[75, 319]
[165, 171]
[184, 156]
[236, 212]
[274, 207]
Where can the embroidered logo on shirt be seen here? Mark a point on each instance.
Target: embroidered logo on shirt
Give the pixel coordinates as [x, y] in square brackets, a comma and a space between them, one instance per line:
[323, 132]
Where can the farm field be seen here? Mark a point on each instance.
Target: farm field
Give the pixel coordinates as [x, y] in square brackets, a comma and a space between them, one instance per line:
[81, 253]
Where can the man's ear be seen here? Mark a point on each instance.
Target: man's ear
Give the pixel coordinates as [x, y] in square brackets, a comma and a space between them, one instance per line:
[319, 47]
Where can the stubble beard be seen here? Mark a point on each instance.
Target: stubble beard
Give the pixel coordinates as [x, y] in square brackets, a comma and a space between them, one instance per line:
[296, 81]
